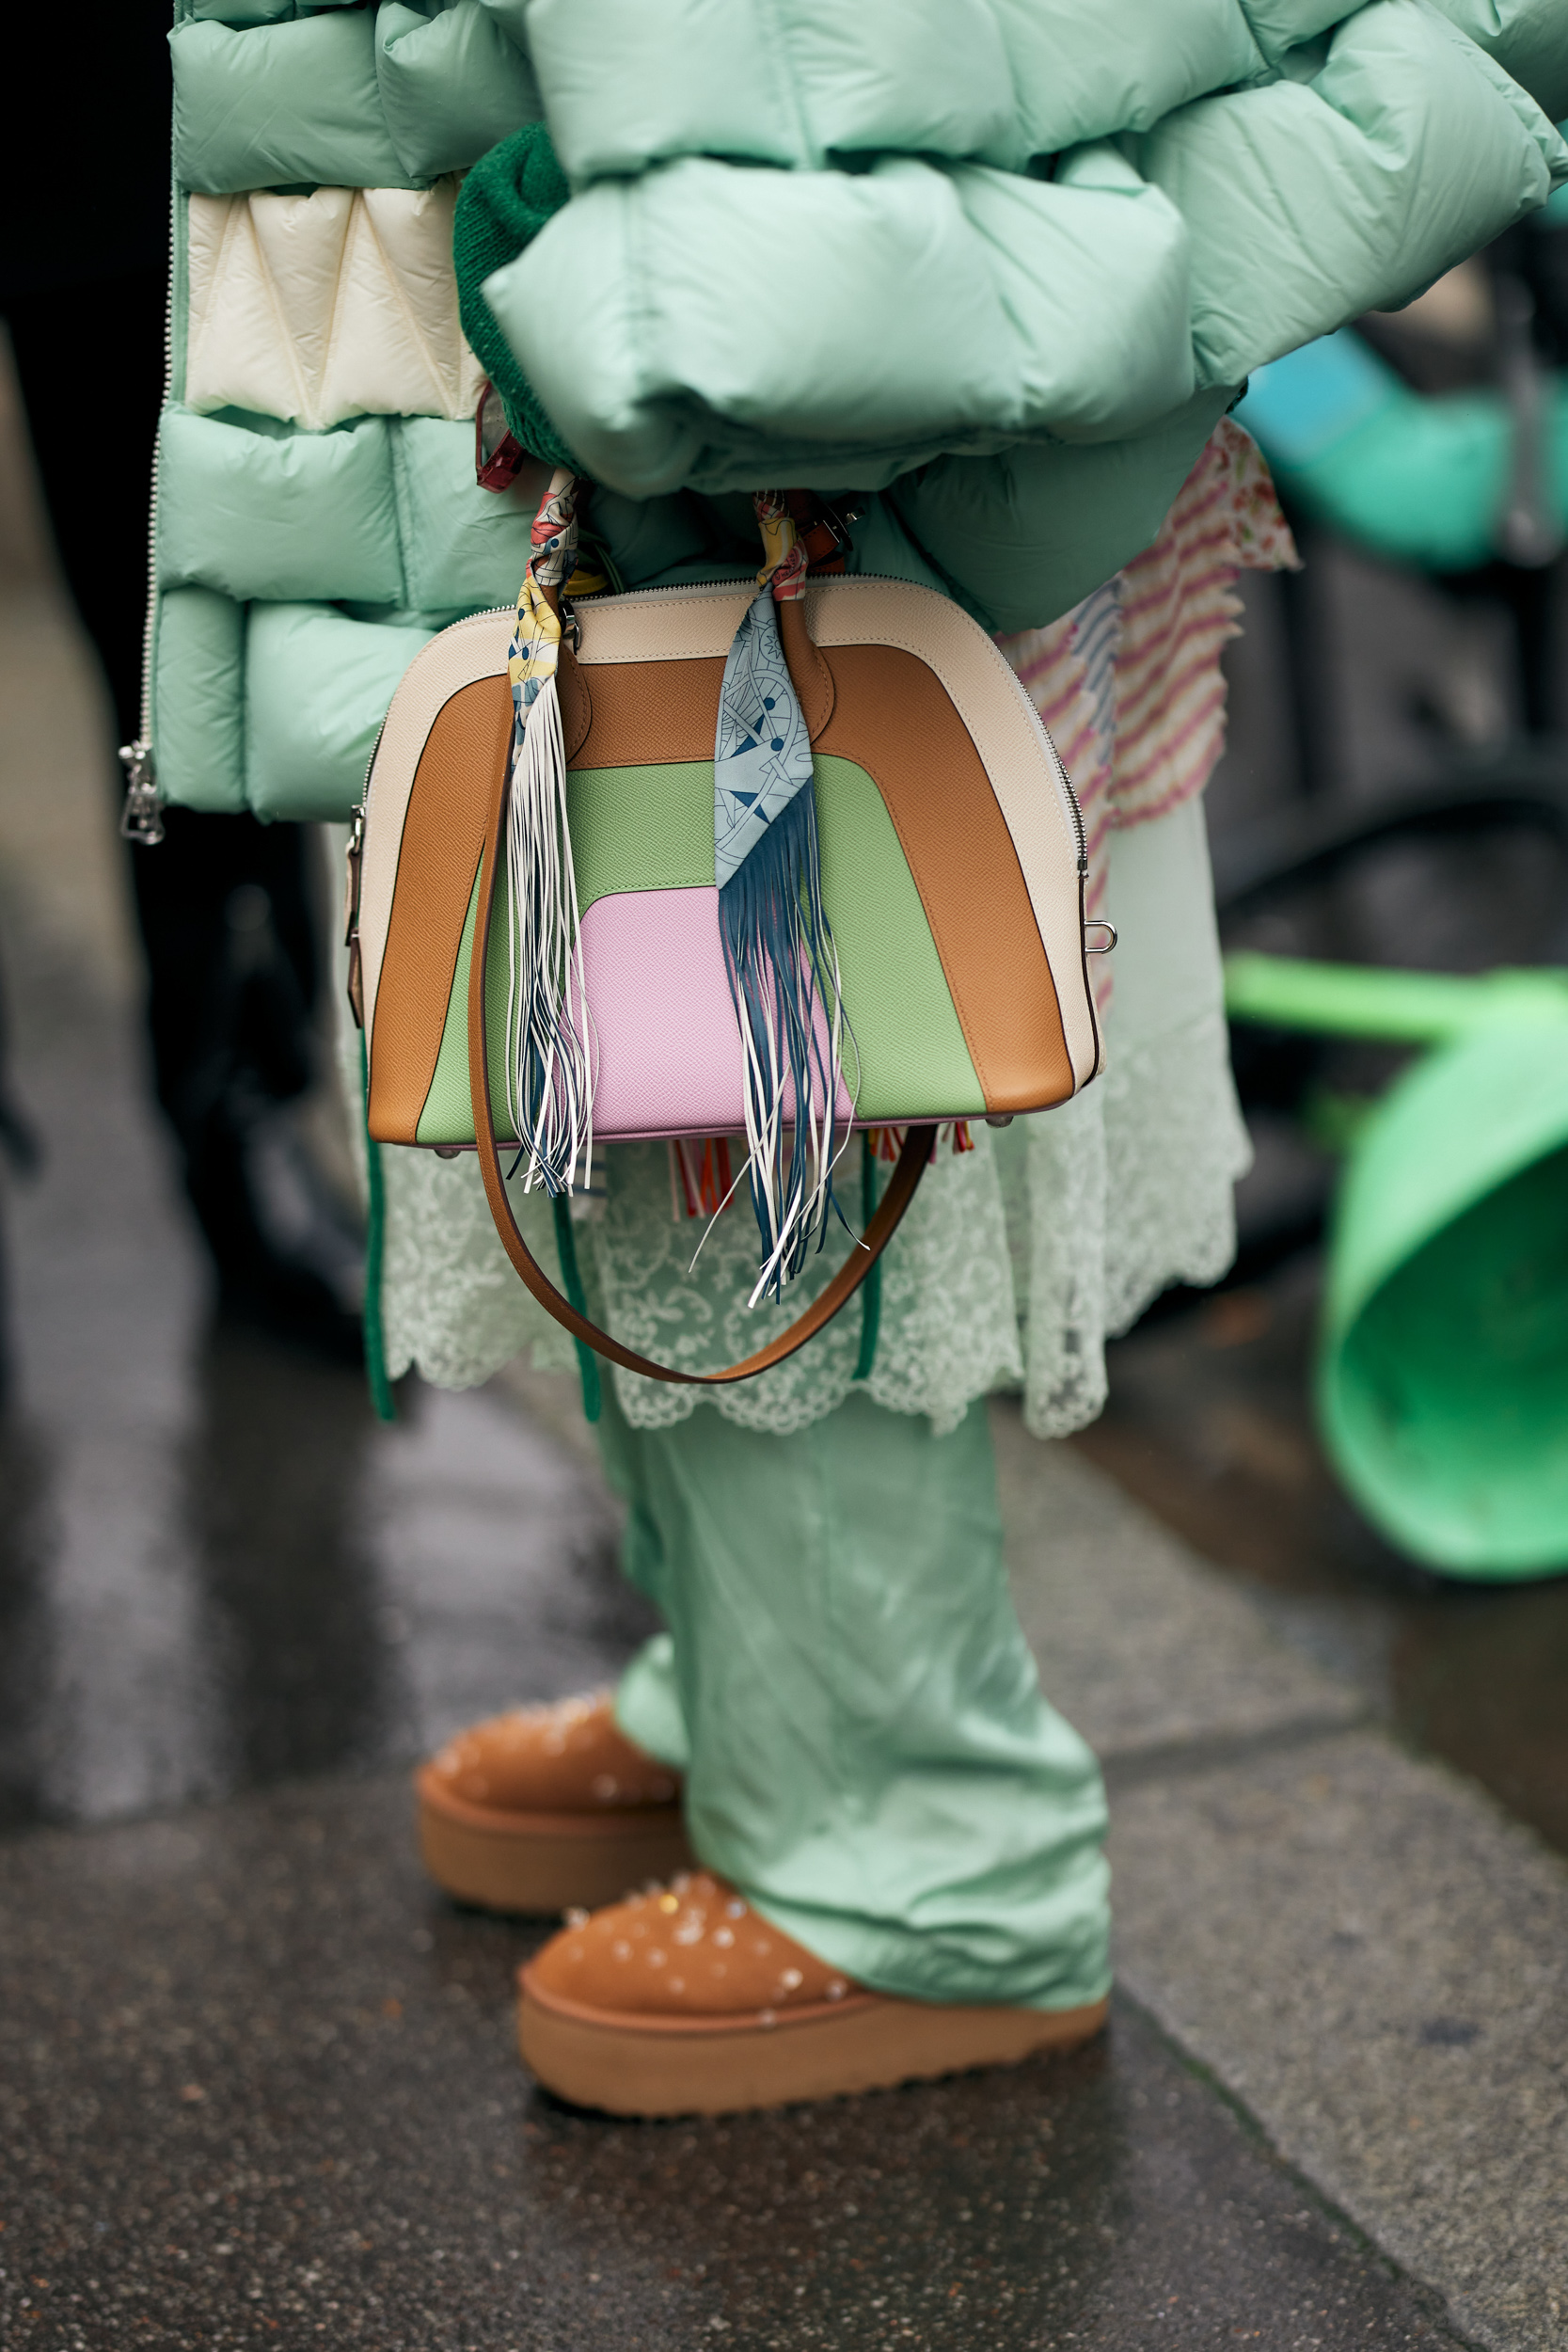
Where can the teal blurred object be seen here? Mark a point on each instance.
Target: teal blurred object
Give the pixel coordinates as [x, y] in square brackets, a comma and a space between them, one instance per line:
[1442, 1381]
[1420, 479]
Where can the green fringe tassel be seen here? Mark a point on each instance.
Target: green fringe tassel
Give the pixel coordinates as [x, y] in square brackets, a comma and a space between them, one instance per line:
[871, 1289]
[571, 1274]
[375, 1236]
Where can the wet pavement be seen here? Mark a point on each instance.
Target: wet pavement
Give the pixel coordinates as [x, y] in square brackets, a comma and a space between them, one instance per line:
[1207, 1426]
[257, 2081]
[216, 1567]
[260, 2088]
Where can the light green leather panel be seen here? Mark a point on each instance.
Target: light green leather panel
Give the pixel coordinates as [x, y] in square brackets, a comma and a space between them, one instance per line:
[896, 994]
[447, 1115]
[640, 828]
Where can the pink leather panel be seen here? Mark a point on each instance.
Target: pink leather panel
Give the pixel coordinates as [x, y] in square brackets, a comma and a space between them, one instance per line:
[669, 1059]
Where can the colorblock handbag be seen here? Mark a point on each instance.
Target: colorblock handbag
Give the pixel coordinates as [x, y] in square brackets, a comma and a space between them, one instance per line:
[771, 861]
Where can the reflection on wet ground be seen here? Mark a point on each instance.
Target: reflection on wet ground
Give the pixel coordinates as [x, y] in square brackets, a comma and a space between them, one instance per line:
[278, 2075]
[317, 1593]
[1210, 1426]
[216, 1567]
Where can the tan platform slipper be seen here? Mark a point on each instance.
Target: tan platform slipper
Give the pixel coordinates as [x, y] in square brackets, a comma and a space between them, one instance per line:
[548, 1807]
[686, 2002]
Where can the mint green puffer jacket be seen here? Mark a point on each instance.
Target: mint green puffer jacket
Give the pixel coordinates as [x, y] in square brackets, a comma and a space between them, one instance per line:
[1001, 261]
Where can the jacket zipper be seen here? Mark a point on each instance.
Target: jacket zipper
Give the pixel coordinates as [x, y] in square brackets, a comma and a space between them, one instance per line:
[141, 820]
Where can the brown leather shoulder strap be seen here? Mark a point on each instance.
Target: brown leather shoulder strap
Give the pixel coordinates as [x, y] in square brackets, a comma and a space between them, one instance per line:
[845, 1282]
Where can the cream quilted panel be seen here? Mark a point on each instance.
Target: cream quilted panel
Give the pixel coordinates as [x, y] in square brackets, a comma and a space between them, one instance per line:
[338, 304]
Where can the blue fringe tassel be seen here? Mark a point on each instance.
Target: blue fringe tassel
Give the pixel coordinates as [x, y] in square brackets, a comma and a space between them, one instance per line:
[779, 953]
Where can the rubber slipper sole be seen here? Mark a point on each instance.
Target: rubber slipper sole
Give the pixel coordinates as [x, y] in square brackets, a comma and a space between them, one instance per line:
[663, 2066]
[542, 1863]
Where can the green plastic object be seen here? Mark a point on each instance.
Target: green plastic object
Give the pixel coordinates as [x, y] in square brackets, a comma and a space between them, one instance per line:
[1420, 480]
[1442, 1381]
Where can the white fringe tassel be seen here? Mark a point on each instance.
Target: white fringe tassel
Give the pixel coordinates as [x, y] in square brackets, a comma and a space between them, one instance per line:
[551, 1048]
[794, 1201]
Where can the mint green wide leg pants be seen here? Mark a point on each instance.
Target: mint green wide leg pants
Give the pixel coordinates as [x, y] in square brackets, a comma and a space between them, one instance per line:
[845, 1684]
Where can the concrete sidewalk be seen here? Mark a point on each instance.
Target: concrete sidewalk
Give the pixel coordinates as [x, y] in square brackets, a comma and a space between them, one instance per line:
[1360, 1946]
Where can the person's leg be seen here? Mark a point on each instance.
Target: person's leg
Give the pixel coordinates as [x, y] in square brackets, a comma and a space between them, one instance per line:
[871, 1761]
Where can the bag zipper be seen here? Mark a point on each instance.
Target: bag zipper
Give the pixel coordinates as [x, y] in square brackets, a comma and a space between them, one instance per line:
[355, 863]
[142, 819]
[1067, 791]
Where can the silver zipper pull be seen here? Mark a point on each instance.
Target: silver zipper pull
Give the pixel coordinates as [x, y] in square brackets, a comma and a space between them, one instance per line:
[350, 917]
[142, 818]
[351, 878]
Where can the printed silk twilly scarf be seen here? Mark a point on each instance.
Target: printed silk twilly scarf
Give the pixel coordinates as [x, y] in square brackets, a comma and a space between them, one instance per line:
[778, 944]
[550, 1033]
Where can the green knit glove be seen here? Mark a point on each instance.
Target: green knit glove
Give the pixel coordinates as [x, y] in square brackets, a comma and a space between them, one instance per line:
[501, 206]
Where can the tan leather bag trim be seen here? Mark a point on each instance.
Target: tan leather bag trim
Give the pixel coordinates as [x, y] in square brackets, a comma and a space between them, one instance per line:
[464, 755]
[893, 717]
[808, 674]
[647, 713]
[643, 714]
[577, 704]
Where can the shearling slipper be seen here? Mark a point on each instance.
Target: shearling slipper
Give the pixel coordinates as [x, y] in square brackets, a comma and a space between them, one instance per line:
[545, 1807]
[685, 2001]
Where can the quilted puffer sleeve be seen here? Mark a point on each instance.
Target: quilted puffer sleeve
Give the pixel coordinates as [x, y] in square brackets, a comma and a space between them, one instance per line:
[892, 274]
[1023, 536]
[1528, 38]
[708, 327]
[1308, 202]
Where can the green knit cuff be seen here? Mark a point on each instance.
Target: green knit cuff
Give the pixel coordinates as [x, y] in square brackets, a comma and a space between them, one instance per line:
[501, 206]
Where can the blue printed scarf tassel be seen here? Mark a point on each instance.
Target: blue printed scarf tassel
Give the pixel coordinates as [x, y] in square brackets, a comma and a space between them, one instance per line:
[779, 949]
